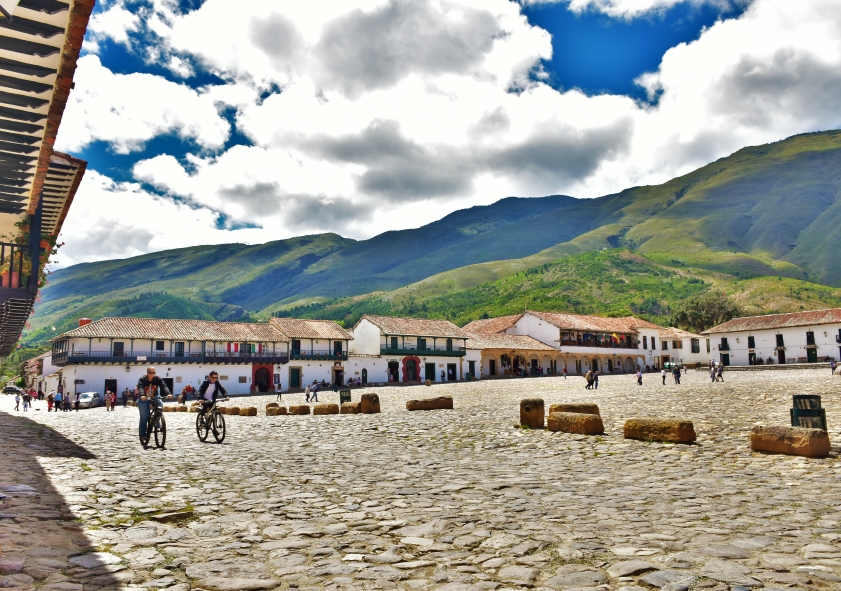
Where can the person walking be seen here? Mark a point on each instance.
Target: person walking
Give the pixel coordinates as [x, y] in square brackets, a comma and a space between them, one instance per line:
[40, 394]
[77, 399]
[314, 395]
[596, 379]
[565, 372]
[17, 401]
[832, 367]
[720, 374]
[125, 397]
[57, 401]
[589, 377]
[307, 392]
[712, 374]
[113, 400]
[639, 377]
[676, 375]
[663, 375]
[107, 400]
[27, 400]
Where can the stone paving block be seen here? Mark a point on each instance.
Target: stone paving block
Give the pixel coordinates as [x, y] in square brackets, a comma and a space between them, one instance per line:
[299, 409]
[274, 411]
[168, 408]
[272, 405]
[668, 430]
[572, 422]
[350, 408]
[248, 411]
[232, 410]
[581, 407]
[370, 404]
[441, 402]
[325, 409]
[532, 413]
[796, 441]
[181, 408]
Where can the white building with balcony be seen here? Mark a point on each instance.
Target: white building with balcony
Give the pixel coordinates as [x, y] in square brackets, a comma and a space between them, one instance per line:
[799, 337]
[318, 351]
[415, 349]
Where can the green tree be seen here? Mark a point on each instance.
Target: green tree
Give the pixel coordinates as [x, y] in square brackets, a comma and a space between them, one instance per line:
[703, 311]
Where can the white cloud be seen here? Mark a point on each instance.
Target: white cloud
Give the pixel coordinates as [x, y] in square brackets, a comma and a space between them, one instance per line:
[628, 9]
[360, 141]
[115, 22]
[127, 110]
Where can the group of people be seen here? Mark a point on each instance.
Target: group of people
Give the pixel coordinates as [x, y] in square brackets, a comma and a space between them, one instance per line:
[716, 371]
[592, 377]
[61, 401]
[676, 374]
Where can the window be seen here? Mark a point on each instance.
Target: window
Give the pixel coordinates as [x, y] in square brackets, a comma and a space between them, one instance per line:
[394, 343]
[422, 344]
[179, 349]
[780, 342]
[751, 343]
[696, 345]
[296, 346]
[664, 345]
[677, 344]
[653, 344]
[810, 338]
[708, 345]
[724, 346]
[159, 345]
[645, 342]
[119, 349]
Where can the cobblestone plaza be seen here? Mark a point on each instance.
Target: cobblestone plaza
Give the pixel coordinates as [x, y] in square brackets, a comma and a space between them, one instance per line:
[456, 499]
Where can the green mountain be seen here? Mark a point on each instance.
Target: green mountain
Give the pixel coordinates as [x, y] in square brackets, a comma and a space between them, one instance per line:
[770, 210]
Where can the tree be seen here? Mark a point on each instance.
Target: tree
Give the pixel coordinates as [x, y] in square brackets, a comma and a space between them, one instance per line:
[704, 311]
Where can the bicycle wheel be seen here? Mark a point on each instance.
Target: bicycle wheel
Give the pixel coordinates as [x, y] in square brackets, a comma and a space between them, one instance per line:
[160, 431]
[218, 427]
[202, 426]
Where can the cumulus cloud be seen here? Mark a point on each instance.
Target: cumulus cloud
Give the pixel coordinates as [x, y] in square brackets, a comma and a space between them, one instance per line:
[628, 9]
[389, 114]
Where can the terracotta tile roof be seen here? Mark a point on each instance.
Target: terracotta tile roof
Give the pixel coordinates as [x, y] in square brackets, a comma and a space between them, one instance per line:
[420, 327]
[584, 323]
[492, 325]
[677, 334]
[634, 323]
[773, 321]
[296, 328]
[167, 329]
[506, 341]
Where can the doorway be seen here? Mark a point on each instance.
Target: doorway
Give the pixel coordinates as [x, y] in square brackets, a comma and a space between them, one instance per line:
[781, 356]
[595, 364]
[294, 377]
[261, 379]
[751, 358]
[492, 367]
[610, 365]
[471, 369]
[812, 354]
[337, 348]
[364, 376]
[725, 359]
[535, 369]
[429, 371]
[451, 372]
[411, 370]
[170, 384]
[111, 386]
[393, 371]
[338, 376]
[119, 349]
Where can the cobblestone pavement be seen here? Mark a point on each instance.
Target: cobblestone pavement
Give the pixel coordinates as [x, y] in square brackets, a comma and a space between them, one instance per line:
[449, 499]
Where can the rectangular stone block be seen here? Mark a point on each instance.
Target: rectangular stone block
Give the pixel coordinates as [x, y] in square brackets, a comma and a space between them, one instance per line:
[231, 410]
[275, 411]
[248, 411]
[351, 408]
[795, 441]
[370, 404]
[669, 430]
[325, 409]
[181, 408]
[299, 409]
[441, 402]
[581, 407]
[532, 411]
[575, 422]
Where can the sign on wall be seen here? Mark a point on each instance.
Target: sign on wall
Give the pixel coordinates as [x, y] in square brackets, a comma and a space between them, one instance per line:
[242, 379]
[78, 381]
[223, 377]
[276, 379]
[177, 379]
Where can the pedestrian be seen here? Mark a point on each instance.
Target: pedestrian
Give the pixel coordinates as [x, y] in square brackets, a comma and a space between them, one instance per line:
[596, 379]
[40, 394]
[639, 377]
[720, 374]
[57, 400]
[832, 367]
[589, 377]
[125, 397]
[565, 372]
[676, 375]
[712, 373]
[27, 399]
[66, 399]
[17, 401]
[107, 400]
[307, 392]
[279, 392]
[314, 395]
[663, 375]
[76, 403]
[443, 376]
[49, 402]
[113, 400]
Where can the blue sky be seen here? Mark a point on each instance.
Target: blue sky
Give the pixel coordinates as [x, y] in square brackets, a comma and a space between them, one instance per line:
[277, 120]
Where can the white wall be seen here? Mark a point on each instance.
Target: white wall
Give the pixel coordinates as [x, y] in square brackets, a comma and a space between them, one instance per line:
[366, 339]
[766, 343]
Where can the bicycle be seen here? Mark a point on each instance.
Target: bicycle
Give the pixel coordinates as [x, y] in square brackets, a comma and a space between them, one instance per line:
[155, 426]
[211, 420]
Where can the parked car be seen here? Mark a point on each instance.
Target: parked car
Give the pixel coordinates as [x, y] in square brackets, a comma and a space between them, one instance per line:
[11, 390]
[89, 399]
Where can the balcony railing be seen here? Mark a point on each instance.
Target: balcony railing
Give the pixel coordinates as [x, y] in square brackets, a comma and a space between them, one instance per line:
[11, 262]
[724, 347]
[438, 350]
[79, 357]
[318, 355]
[600, 344]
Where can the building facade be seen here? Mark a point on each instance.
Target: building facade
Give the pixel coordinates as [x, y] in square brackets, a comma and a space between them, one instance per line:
[799, 337]
[318, 351]
[681, 346]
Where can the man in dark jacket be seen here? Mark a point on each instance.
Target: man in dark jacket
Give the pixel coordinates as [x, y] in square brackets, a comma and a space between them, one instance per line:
[209, 391]
[151, 390]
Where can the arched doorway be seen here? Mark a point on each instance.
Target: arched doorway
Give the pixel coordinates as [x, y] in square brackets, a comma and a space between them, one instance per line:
[261, 379]
[411, 370]
[595, 364]
[364, 376]
[610, 365]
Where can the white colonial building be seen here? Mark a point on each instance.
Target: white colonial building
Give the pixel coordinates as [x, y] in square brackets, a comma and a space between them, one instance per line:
[799, 337]
[318, 351]
[681, 346]
[414, 349]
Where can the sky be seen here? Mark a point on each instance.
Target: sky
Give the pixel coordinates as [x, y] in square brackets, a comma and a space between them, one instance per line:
[213, 121]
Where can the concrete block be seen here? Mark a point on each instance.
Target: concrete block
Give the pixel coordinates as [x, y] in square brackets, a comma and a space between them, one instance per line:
[168, 408]
[575, 422]
[532, 413]
[370, 404]
[248, 411]
[351, 408]
[325, 409]
[794, 441]
[581, 407]
[299, 409]
[232, 410]
[441, 402]
[670, 430]
[275, 411]
[181, 408]
[272, 405]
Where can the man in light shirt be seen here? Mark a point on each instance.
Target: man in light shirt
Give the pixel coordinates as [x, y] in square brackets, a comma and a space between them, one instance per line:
[210, 390]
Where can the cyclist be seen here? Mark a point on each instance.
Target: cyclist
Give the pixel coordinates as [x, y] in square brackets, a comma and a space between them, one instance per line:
[149, 388]
[209, 391]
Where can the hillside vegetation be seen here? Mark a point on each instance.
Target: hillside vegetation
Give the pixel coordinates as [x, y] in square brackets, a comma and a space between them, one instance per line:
[769, 211]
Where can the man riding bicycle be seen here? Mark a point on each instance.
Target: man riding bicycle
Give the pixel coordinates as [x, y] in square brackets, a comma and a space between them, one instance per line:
[149, 388]
[209, 391]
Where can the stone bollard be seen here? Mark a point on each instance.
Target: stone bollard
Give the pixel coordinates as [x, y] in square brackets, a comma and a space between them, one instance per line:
[181, 408]
[195, 407]
[131, 403]
[794, 441]
[232, 410]
[428, 382]
[672, 431]
[369, 404]
[272, 405]
[531, 413]
[299, 409]
[168, 408]
[350, 408]
[248, 411]
[575, 422]
[442, 402]
[274, 411]
[582, 407]
[325, 409]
